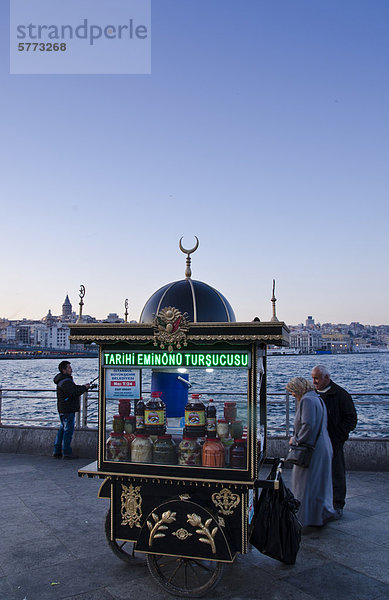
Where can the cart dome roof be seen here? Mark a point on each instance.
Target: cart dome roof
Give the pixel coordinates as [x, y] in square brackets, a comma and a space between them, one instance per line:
[200, 301]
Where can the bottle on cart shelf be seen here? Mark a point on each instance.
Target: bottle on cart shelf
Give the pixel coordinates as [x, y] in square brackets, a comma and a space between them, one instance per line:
[236, 429]
[238, 455]
[124, 407]
[222, 428]
[118, 424]
[210, 416]
[227, 443]
[129, 431]
[142, 449]
[140, 416]
[164, 450]
[213, 453]
[195, 417]
[155, 415]
[116, 447]
[230, 411]
[189, 452]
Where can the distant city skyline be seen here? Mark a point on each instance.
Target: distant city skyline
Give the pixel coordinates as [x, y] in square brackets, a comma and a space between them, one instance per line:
[263, 129]
[75, 311]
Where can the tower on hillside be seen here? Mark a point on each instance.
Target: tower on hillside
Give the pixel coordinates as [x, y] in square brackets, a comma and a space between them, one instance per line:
[66, 309]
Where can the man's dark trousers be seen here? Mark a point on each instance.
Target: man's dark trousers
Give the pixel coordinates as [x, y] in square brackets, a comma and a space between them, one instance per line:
[338, 475]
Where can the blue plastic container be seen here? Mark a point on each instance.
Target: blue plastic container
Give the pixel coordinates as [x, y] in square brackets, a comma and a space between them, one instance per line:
[174, 392]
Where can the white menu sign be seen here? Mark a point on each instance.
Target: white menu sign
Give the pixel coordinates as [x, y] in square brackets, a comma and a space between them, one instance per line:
[122, 383]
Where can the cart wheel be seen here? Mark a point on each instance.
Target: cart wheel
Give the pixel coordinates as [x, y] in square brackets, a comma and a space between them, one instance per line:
[184, 577]
[124, 550]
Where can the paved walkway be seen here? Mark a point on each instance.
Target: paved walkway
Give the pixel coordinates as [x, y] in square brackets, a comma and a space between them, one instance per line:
[52, 544]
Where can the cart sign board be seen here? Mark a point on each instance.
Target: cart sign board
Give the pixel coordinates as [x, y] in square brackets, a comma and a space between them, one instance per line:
[185, 359]
[122, 383]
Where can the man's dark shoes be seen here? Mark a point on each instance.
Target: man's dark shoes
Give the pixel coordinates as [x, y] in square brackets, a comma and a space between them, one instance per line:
[70, 456]
[55, 455]
[338, 513]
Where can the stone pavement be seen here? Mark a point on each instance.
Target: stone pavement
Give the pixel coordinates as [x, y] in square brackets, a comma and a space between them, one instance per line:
[53, 547]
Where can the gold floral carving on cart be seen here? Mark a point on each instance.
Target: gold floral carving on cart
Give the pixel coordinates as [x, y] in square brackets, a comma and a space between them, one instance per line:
[182, 534]
[170, 328]
[159, 525]
[131, 510]
[225, 501]
[203, 530]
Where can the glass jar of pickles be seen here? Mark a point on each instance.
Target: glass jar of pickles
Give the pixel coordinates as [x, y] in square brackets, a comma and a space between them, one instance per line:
[129, 431]
[117, 447]
[230, 411]
[222, 428]
[213, 454]
[118, 424]
[238, 455]
[142, 449]
[189, 452]
[236, 429]
[164, 450]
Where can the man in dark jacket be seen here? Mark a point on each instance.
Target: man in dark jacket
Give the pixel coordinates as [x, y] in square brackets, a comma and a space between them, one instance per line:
[68, 403]
[342, 418]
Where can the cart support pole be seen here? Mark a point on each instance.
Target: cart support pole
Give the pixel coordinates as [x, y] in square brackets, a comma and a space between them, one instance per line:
[85, 409]
[287, 419]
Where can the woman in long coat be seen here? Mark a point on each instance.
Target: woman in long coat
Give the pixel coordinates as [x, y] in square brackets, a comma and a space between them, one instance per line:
[312, 485]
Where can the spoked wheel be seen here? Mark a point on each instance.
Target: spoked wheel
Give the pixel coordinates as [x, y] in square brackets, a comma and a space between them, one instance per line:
[184, 577]
[124, 550]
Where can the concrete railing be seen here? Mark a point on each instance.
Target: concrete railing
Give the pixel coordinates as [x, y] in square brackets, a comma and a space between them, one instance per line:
[280, 410]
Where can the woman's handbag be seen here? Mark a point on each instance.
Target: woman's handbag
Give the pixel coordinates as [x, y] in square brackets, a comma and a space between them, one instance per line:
[301, 454]
[277, 531]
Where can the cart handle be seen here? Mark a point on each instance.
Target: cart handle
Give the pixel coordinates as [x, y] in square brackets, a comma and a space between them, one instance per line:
[271, 483]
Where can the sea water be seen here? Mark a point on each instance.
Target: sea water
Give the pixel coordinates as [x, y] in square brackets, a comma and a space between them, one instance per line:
[357, 373]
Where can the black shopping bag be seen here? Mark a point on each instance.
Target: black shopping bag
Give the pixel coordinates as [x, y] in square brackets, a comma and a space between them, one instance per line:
[277, 531]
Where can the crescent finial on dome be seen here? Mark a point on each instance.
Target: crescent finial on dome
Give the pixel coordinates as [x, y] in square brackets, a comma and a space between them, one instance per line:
[188, 271]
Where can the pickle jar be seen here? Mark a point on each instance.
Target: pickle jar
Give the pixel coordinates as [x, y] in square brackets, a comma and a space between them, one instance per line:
[213, 453]
[118, 424]
[222, 428]
[164, 450]
[117, 447]
[141, 449]
[236, 429]
[189, 452]
[238, 455]
[129, 430]
[124, 407]
[230, 411]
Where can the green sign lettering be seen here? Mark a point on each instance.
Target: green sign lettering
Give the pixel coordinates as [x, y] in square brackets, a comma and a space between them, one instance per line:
[156, 358]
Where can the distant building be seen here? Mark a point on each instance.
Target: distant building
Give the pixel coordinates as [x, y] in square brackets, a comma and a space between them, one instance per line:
[307, 341]
[310, 322]
[66, 310]
[113, 318]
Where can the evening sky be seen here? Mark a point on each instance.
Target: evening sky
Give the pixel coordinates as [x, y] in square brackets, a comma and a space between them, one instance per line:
[263, 130]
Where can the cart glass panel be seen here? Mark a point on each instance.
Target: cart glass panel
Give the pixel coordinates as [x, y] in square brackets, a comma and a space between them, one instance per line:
[188, 408]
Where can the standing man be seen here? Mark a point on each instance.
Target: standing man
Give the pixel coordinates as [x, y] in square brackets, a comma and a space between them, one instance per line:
[68, 403]
[342, 418]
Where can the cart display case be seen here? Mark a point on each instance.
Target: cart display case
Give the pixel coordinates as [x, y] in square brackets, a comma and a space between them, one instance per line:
[189, 519]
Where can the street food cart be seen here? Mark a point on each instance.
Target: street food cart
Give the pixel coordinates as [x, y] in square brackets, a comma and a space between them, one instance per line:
[179, 491]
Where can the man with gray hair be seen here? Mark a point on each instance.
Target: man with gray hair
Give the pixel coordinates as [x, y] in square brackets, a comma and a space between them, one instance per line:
[342, 418]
